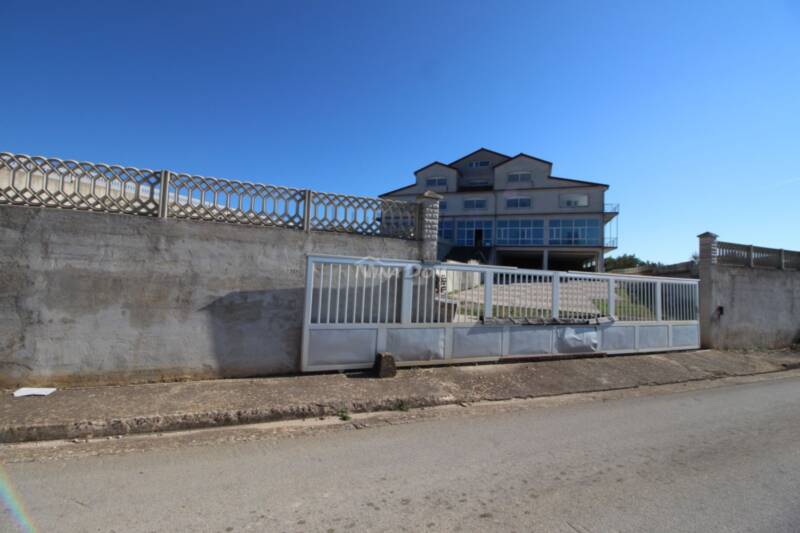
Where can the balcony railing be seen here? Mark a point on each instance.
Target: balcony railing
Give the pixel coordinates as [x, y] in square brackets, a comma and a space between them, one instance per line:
[611, 208]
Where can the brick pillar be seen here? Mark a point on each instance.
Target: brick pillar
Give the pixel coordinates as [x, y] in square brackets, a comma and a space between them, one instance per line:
[428, 225]
[708, 260]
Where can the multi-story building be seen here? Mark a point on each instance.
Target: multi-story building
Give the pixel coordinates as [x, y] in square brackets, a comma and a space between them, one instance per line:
[512, 211]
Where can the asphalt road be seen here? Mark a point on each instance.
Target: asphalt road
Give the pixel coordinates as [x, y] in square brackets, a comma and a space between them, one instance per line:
[720, 459]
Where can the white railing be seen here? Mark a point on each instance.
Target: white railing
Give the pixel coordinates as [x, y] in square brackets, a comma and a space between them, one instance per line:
[747, 255]
[376, 291]
[35, 181]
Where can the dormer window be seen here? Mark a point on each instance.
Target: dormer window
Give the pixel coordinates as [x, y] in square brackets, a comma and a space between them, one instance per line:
[474, 203]
[519, 177]
[478, 164]
[436, 182]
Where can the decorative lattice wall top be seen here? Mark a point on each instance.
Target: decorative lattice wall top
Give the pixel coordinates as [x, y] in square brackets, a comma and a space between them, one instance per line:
[51, 182]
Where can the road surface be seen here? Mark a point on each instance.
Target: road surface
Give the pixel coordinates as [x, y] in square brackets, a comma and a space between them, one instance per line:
[713, 459]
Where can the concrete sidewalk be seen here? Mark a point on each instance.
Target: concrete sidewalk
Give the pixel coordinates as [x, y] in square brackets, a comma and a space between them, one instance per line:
[105, 411]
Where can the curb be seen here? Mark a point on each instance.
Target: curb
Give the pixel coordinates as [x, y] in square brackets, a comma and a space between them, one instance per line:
[86, 429]
[111, 427]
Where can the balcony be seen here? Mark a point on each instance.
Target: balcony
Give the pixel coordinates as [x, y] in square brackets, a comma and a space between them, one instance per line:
[610, 243]
[610, 211]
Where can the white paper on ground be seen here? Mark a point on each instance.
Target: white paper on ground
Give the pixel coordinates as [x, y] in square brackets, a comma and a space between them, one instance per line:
[33, 391]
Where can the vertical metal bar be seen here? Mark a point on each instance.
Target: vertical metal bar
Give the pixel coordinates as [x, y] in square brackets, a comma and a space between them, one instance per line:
[488, 285]
[319, 293]
[687, 303]
[330, 288]
[442, 298]
[659, 313]
[163, 196]
[355, 293]
[507, 294]
[338, 293]
[419, 276]
[363, 291]
[307, 314]
[347, 296]
[371, 295]
[396, 276]
[555, 304]
[407, 295]
[309, 292]
[432, 279]
[380, 292]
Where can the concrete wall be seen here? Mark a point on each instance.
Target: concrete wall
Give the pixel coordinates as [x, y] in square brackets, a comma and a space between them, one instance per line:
[88, 297]
[743, 307]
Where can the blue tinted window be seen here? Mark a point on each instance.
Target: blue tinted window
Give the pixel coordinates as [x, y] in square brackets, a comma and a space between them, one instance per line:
[518, 202]
[575, 232]
[465, 232]
[446, 230]
[520, 232]
[474, 204]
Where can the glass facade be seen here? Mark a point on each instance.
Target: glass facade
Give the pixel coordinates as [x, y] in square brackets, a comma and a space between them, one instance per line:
[445, 230]
[575, 232]
[520, 232]
[467, 229]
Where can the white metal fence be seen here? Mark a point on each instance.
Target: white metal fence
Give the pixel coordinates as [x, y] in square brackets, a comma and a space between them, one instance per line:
[355, 291]
[348, 298]
[50, 182]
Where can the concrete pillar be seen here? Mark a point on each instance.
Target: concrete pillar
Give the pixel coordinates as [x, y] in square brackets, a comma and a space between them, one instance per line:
[708, 260]
[545, 259]
[601, 262]
[428, 225]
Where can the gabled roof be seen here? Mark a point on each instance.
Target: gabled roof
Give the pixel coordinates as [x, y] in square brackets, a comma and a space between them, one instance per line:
[397, 190]
[581, 181]
[507, 159]
[429, 165]
[475, 152]
[522, 154]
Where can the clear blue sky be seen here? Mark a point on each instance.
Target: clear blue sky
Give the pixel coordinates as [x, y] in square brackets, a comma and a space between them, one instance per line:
[690, 110]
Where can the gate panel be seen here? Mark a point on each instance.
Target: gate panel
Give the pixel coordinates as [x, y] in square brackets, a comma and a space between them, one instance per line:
[447, 312]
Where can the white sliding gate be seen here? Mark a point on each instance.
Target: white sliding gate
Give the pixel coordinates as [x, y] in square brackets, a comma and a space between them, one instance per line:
[439, 313]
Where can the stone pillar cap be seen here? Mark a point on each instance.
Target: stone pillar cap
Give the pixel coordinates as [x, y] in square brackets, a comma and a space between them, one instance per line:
[430, 195]
[707, 235]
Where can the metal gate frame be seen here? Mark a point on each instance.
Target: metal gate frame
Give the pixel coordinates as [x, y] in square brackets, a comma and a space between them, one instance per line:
[492, 313]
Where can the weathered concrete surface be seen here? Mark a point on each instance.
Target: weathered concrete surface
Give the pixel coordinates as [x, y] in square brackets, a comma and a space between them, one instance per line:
[700, 457]
[97, 298]
[103, 411]
[748, 308]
